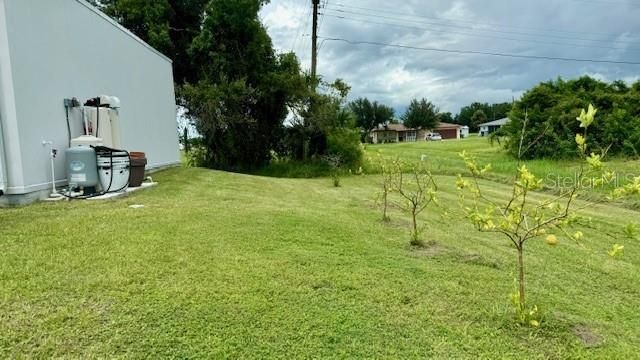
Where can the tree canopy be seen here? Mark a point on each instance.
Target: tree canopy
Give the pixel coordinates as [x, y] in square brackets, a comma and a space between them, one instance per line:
[446, 117]
[369, 115]
[478, 117]
[168, 25]
[421, 114]
[491, 112]
[241, 98]
[550, 112]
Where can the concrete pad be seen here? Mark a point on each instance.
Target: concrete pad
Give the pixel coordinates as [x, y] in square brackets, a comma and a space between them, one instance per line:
[120, 194]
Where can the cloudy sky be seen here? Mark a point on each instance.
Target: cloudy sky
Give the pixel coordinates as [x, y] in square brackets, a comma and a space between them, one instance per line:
[583, 29]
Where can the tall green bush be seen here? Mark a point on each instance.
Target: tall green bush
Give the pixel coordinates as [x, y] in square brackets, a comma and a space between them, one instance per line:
[551, 110]
[345, 143]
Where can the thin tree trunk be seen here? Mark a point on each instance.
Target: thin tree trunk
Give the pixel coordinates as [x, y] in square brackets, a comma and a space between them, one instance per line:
[521, 277]
[384, 214]
[415, 226]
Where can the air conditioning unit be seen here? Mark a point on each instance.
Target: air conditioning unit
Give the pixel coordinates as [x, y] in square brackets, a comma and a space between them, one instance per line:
[105, 124]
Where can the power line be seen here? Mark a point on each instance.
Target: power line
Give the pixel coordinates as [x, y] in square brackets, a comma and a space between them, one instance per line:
[476, 29]
[484, 23]
[302, 25]
[472, 52]
[546, 30]
[324, 6]
[475, 34]
[603, 2]
[295, 38]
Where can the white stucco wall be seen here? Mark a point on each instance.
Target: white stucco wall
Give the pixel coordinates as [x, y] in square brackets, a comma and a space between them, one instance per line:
[8, 124]
[65, 48]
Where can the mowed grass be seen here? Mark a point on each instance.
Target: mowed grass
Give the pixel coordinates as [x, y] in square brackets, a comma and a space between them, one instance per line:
[442, 158]
[221, 265]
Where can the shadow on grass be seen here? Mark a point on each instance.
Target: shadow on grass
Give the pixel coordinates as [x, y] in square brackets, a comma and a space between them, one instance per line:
[295, 169]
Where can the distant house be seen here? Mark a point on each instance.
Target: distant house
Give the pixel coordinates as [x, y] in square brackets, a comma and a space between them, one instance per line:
[491, 126]
[392, 133]
[399, 133]
[448, 131]
[464, 132]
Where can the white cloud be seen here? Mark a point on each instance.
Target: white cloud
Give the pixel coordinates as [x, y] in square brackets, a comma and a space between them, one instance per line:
[283, 16]
[394, 76]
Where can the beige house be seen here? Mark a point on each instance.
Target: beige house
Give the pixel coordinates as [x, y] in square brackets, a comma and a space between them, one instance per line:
[396, 133]
[399, 133]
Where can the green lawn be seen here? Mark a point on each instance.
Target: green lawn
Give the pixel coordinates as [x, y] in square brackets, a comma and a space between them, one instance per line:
[221, 265]
[442, 159]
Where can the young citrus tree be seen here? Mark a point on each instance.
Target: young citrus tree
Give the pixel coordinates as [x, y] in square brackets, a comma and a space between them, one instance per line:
[522, 217]
[417, 191]
[334, 161]
[389, 170]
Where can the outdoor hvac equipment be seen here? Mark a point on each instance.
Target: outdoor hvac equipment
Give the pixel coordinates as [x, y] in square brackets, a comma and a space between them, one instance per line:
[82, 170]
[86, 141]
[104, 120]
[113, 169]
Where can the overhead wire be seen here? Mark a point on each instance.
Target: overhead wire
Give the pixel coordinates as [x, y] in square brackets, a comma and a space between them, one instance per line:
[364, 20]
[303, 25]
[404, 19]
[604, 2]
[474, 52]
[324, 6]
[473, 22]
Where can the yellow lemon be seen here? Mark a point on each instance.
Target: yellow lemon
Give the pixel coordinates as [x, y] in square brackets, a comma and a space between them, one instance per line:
[552, 240]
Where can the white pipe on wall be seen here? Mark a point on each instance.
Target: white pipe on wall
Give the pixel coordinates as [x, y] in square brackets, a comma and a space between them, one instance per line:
[3, 159]
[11, 161]
[3, 163]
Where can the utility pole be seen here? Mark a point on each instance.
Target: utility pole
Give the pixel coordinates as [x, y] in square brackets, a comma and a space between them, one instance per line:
[314, 39]
[314, 64]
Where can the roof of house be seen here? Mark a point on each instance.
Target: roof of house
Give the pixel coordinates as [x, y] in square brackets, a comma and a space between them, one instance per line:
[498, 122]
[393, 127]
[444, 125]
[401, 127]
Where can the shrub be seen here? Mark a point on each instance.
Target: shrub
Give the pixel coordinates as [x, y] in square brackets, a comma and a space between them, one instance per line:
[551, 109]
[345, 143]
[198, 156]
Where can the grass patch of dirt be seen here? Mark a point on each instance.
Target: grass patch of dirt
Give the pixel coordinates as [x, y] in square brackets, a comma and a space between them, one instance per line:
[588, 337]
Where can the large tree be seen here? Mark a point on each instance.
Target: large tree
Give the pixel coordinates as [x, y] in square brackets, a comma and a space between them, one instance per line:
[234, 87]
[492, 112]
[478, 117]
[168, 25]
[421, 114]
[445, 117]
[244, 88]
[369, 115]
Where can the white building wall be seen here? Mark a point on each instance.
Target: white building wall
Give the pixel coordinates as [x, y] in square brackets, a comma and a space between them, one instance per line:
[9, 141]
[65, 48]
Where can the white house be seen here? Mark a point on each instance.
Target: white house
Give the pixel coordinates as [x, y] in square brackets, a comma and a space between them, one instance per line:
[464, 132]
[491, 126]
[54, 50]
